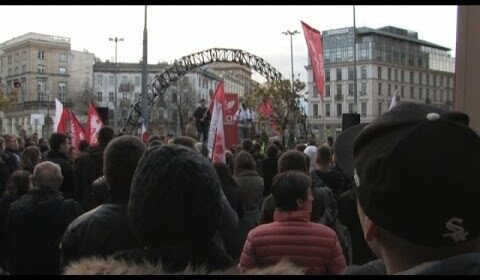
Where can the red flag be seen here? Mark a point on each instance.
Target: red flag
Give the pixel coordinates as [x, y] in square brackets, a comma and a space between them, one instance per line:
[315, 50]
[78, 133]
[62, 117]
[266, 109]
[94, 124]
[145, 134]
[216, 136]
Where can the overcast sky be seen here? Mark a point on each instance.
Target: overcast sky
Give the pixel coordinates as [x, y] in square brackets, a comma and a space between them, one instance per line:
[176, 31]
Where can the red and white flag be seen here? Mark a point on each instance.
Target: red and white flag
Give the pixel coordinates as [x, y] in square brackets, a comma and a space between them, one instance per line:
[94, 124]
[78, 133]
[315, 51]
[60, 122]
[216, 135]
[145, 134]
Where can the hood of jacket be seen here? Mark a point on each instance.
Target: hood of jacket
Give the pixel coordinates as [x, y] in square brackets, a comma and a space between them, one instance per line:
[465, 264]
[112, 266]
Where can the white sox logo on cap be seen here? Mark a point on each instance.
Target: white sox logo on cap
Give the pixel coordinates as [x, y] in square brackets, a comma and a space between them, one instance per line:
[458, 232]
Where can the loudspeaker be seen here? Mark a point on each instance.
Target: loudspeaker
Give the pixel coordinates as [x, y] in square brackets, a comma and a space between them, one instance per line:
[103, 112]
[349, 120]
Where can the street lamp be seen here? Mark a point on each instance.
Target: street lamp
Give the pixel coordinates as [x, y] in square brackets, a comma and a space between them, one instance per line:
[116, 39]
[290, 33]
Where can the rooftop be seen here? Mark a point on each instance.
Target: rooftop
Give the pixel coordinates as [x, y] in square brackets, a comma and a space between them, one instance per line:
[126, 67]
[35, 37]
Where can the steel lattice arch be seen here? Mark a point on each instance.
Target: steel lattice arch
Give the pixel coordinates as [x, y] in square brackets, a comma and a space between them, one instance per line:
[187, 64]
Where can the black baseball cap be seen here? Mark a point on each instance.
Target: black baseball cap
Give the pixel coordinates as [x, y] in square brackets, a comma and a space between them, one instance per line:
[416, 174]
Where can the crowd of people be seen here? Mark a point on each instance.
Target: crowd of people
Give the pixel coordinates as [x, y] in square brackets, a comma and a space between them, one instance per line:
[398, 196]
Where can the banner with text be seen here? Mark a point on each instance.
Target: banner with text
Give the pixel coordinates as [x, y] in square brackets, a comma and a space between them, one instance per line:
[315, 51]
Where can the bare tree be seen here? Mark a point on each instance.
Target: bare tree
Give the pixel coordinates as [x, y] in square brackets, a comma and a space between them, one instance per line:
[183, 100]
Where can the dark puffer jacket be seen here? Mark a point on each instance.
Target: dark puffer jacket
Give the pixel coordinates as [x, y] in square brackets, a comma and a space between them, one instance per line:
[68, 185]
[35, 226]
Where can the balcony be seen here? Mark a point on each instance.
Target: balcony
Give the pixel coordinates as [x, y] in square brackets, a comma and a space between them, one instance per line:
[338, 97]
[35, 105]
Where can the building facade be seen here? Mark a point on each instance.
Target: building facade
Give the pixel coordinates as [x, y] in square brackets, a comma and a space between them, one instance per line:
[389, 60]
[46, 67]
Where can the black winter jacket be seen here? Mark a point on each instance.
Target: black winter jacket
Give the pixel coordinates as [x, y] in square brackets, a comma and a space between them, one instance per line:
[35, 226]
[68, 185]
[89, 167]
[99, 232]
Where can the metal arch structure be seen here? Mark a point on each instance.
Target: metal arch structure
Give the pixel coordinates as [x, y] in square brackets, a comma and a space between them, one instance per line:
[187, 64]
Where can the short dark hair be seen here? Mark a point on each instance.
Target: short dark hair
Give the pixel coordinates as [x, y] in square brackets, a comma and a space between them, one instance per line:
[289, 186]
[186, 141]
[324, 155]
[120, 159]
[272, 151]
[18, 184]
[244, 161]
[153, 138]
[83, 145]
[247, 145]
[257, 147]
[292, 160]
[330, 139]
[105, 135]
[56, 140]
[300, 147]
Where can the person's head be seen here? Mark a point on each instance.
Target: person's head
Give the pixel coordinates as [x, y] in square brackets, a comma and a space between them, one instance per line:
[186, 141]
[300, 147]
[247, 145]
[47, 174]
[324, 156]
[330, 141]
[278, 144]
[18, 184]
[272, 151]
[59, 142]
[105, 135]
[175, 198]
[291, 191]
[31, 156]
[83, 145]
[230, 161]
[292, 160]
[244, 106]
[154, 137]
[42, 142]
[224, 174]
[312, 142]
[21, 143]
[9, 141]
[120, 159]
[154, 143]
[169, 136]
[257, 148]
[405, 164]
[244, 161]
[238, 149]
[203, 102]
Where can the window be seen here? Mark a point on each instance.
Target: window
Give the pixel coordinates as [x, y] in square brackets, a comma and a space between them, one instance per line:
[441, 79]
[434, 95]
[137, 94]
[395, 87]
[62, 70]
[350, 73]
[363, 72]
[24, 90]
[420, 78]
[16, 70]
[428, 94]
[111, 80]
[350, 108]
[327, 76]
[137, 80]
[389, 74]
[327, 109]
[111, 97]
[16, 57]
[420, 93]
[441, 96]
[389, 90]
[315, 110]
[350, 89]
[62, 57]
[379, 72]
[363, 109]
[327, 90]
[339, 89]
[41, 89]
[24, 55]
[124, 96]
[199, 81]
[9, 59]
[435, 80]
[428, 79]
[402, 91]
[174, 97]
[412, 93]
[125, 79]
[402, 76]
[380, 108]
[99, 80]
[379, 88]
[9, 71]
[339, 74]
[396, 75]
[411, 77]
[99, 96]
[1, 62]
[62, 91]
[41, 55]
[339, 109]
[24, 68]
[364, 89]
[41, 68]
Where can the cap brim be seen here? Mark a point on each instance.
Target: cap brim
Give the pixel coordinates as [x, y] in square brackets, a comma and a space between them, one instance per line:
[344, 148]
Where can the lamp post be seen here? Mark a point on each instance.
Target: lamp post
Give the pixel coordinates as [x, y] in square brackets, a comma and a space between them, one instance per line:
[116, 39]
[291, 33]
[355, 95]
